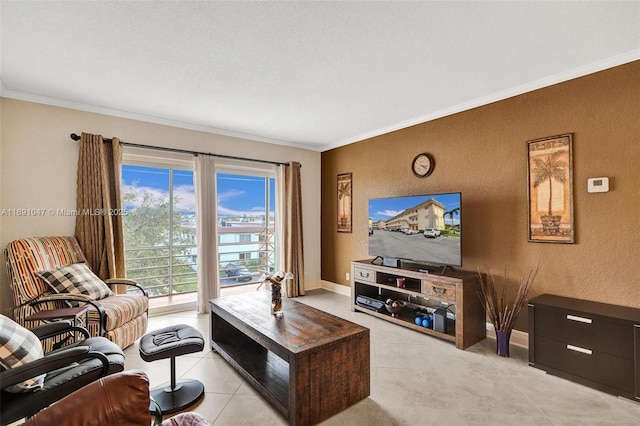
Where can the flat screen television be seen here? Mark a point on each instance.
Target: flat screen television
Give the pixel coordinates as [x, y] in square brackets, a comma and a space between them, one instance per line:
[424, 229]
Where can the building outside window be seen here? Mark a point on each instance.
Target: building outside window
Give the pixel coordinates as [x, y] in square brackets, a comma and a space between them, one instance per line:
[246, 223]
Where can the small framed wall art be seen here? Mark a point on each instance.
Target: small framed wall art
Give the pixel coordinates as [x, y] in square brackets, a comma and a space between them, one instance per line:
[550, 189]
[344, 202]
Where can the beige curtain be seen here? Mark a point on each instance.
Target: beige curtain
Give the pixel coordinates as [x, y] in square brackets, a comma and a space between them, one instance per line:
[99, 227]
[293, 248]
[206, 231]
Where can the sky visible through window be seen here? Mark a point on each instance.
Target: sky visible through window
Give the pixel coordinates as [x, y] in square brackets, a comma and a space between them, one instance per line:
[238, 195]
[160, 237]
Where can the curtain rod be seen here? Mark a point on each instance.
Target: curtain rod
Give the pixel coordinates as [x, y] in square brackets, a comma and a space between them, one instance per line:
[75, 137]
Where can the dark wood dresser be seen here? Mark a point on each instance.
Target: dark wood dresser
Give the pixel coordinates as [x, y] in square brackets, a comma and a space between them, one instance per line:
[591, 343]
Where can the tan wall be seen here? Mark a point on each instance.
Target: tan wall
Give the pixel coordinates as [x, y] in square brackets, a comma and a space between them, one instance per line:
[482, 153]
[39, 163]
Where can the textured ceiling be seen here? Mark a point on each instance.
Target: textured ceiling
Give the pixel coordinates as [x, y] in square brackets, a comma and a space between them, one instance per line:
[311, 74]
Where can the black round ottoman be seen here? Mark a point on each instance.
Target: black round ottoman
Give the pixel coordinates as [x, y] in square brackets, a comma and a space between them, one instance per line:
[170, 342]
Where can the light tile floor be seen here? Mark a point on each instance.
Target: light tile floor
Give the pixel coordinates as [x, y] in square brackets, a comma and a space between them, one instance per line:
[415, 380]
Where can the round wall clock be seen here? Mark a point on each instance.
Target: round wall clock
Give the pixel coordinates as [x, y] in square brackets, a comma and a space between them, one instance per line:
[422, 165]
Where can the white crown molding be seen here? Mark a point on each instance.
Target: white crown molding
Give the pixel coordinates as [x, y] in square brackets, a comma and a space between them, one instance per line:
[611, 62]
[594, 67]
[27, 97]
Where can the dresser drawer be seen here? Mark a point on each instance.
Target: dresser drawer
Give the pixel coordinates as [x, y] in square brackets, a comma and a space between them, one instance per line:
[586, 363]
[584, 330]
[362, 274]
[439, 290]
[637, 334]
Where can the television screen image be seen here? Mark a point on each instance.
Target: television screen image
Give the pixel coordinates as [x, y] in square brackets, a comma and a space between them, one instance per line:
[420, 228]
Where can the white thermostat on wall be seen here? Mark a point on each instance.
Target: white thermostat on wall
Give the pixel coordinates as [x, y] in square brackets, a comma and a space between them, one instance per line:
[600, 184]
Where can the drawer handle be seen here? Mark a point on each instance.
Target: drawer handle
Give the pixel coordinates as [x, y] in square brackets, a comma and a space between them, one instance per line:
[363, 275]
[440, 290]
[579, 349]
[579, 319]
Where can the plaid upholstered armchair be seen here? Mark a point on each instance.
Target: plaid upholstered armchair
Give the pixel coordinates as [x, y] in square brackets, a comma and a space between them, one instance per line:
[48, 273]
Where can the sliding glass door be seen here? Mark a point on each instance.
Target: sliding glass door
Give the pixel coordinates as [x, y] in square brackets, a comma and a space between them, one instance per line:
[159, 228]
[246, 225]
[161, 251]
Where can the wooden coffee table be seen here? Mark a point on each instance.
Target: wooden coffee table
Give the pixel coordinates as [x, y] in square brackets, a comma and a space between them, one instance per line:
[307, 363]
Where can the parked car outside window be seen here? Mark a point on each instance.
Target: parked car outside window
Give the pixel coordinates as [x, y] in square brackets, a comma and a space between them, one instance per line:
[237, 271]
[431, 233]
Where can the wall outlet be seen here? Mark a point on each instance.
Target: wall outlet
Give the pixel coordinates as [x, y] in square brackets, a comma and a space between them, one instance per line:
[346, 276]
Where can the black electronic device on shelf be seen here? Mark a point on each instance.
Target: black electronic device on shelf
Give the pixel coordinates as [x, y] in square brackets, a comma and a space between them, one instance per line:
[440, 320]
[370, 303]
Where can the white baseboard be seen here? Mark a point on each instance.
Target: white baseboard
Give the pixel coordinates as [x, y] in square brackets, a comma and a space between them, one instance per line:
[172, 309]
[336, 288]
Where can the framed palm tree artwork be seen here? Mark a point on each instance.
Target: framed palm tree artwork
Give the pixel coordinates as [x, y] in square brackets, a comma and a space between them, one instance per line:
[550, 190]
[344, 202]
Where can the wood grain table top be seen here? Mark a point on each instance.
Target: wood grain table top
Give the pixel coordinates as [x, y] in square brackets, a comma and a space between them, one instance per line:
[298, 329]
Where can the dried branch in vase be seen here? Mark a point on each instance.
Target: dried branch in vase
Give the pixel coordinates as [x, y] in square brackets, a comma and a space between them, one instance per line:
[501, 311]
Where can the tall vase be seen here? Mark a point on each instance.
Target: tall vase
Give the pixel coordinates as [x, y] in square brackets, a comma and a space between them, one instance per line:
[276, 298]
[502, 342]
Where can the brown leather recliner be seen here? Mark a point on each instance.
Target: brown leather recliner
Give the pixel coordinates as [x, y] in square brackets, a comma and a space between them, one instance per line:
[118, 399]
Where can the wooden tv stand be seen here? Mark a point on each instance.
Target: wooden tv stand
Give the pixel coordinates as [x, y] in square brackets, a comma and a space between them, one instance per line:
[307, 363]
[458, 290]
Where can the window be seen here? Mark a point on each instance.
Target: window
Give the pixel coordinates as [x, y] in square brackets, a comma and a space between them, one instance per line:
[246, 223]
[160, 228]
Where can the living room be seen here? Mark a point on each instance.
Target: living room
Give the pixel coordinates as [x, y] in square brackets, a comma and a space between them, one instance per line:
[480, 151]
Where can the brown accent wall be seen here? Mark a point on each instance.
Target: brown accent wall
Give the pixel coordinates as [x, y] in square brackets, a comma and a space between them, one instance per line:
[482, 153]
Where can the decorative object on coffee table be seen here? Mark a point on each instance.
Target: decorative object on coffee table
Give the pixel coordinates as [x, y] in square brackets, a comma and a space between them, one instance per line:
[276, 289]
[502, 306]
